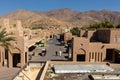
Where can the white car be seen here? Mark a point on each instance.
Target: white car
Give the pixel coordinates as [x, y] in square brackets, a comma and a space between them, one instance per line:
[37, 45]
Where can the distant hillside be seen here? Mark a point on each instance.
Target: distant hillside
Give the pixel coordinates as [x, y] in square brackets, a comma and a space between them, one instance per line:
[63, 17]
[30, 18]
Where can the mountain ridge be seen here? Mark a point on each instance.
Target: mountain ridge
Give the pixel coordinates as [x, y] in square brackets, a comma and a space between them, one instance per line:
[64, 17]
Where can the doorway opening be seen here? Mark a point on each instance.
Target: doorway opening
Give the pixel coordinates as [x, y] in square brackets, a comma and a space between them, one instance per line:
[25, 57]
[109, 54]
[16, 59]
[81, 57]
[50, 36]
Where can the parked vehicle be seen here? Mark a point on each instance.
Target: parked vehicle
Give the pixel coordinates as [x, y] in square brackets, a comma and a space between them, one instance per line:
[43, 53]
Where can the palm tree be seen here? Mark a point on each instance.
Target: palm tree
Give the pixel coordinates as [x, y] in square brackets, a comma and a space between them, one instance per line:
[5, 39]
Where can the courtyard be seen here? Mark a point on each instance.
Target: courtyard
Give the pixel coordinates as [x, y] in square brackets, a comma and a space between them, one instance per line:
[51, 47]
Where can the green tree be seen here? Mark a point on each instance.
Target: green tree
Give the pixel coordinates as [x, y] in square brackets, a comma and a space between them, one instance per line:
[5, 40]
[75, 31]
[105, 24]
[118, 26]
[94, 26]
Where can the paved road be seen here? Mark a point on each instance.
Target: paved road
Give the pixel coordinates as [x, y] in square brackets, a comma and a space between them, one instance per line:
[51, 47]
[8, 73]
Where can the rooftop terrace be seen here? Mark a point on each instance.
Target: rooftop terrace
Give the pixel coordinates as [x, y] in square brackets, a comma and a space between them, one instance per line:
[74, 70]
[67, 70]
[31, 71]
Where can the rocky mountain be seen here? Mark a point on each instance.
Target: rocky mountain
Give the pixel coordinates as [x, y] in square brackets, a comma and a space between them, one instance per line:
[63, 17]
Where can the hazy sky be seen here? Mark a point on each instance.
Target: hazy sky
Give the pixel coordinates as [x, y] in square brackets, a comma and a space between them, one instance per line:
[7, 6]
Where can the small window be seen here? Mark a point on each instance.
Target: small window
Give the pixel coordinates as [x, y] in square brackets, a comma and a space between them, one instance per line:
[81, 44]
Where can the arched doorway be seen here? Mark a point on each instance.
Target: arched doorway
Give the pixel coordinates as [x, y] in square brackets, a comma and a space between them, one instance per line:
[16, 57]
[16, 60]
[50, 36]
[81, 55]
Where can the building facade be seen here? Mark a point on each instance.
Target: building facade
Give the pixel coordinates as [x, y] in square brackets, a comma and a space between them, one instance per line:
[97, 46]
[24, 39]
[19, 54]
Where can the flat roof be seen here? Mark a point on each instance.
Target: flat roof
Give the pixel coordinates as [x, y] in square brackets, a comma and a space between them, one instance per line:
[81, 68]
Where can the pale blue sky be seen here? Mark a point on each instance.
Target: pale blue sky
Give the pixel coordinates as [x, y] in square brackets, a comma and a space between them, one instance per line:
[7, 6]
